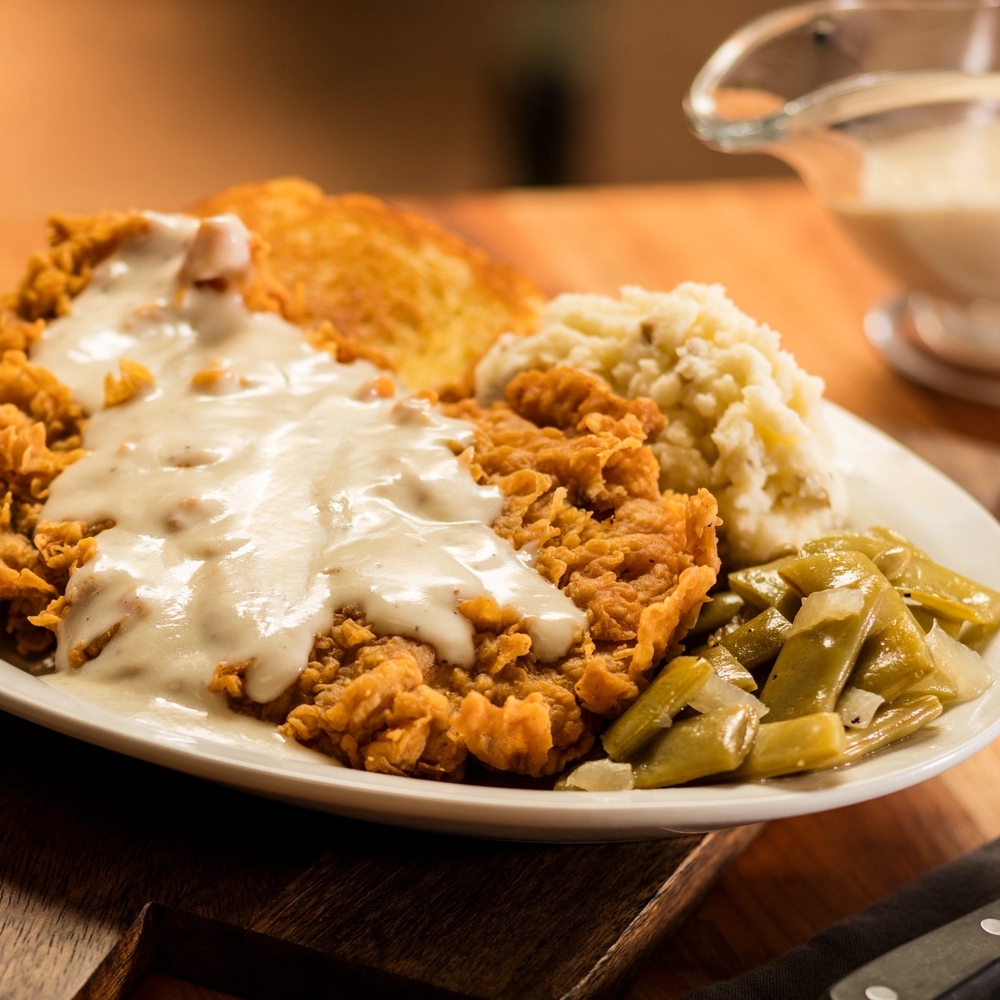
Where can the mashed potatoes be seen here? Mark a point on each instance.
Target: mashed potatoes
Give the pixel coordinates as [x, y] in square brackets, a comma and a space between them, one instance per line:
[743, 419]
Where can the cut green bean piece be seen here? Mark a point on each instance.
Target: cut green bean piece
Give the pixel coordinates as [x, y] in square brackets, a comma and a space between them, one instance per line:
[819, 655]
[849, 541]
[926, 619]
[729, 668]
[981, 605]
[895, 655]
[712, 743]
[828, 570]
[889, 553]
[715, 612]
[949, 594]
[915, 575]
[890, 537]
[892, 723]
[679, 681]
[892, 562]
[807, 743]
[759, 640]
[763, 587]
[893, 660]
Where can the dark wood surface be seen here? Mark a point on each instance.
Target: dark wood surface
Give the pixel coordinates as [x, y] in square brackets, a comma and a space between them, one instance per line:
[271, 901]
[785, 261]
[87, 838]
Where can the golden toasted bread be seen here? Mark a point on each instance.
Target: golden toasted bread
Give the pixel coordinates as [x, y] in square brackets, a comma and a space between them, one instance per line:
[394, 282]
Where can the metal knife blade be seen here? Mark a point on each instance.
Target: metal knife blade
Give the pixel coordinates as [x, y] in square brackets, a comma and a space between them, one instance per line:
[959, 961]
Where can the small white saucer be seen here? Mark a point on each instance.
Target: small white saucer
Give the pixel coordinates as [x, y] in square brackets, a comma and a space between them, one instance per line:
[926, 354]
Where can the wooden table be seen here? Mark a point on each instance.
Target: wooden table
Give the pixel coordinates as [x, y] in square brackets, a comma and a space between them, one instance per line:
[785, 262]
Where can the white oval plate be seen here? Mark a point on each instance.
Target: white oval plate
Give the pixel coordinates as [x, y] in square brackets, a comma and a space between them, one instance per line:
[886, 484]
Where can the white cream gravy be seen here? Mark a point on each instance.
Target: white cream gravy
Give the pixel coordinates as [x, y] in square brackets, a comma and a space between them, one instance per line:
[252, 501]
[928, 209]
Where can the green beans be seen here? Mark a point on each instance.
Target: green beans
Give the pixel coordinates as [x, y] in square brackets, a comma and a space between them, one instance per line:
[940, 589]
[878, 639]
[895, 655]
[926, 619]
[763, 587]
[848, 541]
[828, 570]
[759, 640]
[892, 723]
[708, 744]
[719, 609]
[655, 708]
[729, 668]
[949, 594]
[893, 660]
[937, 683]
[802, 744]
[819, 655]
[918, 577]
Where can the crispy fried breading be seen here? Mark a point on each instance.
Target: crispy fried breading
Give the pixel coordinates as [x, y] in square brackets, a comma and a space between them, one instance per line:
[387, 280]
[77, 245]
[41, 429]
[583, 495]
[579, 486]
[639, 562]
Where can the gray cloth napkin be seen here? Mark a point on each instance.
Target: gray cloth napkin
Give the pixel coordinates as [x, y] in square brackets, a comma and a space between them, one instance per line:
[928, 902]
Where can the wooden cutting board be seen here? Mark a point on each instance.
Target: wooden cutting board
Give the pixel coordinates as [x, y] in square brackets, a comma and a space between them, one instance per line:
[87, 838]
[111, 868]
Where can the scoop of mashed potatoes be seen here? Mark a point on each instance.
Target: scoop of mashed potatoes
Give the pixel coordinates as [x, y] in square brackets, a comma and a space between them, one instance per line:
[743, 419]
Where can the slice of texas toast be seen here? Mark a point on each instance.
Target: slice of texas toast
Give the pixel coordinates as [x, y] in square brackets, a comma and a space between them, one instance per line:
[397, 283]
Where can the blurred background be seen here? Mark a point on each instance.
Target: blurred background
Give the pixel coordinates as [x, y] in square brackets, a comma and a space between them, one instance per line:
[155, 103]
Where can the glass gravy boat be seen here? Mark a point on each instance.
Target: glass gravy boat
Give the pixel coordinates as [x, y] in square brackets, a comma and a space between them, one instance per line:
[890, 112]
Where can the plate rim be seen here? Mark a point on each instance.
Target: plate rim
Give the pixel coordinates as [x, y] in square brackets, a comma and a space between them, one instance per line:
[526, 814]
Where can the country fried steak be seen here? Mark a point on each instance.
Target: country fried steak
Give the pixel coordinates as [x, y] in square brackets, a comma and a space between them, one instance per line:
[579, 486]
[580, 490]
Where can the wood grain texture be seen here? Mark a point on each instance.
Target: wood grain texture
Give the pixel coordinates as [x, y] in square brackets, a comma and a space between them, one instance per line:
[237, 960]
[250, 896]
[609, 900]
[784, 261]
[87, 838]
[157, 986]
